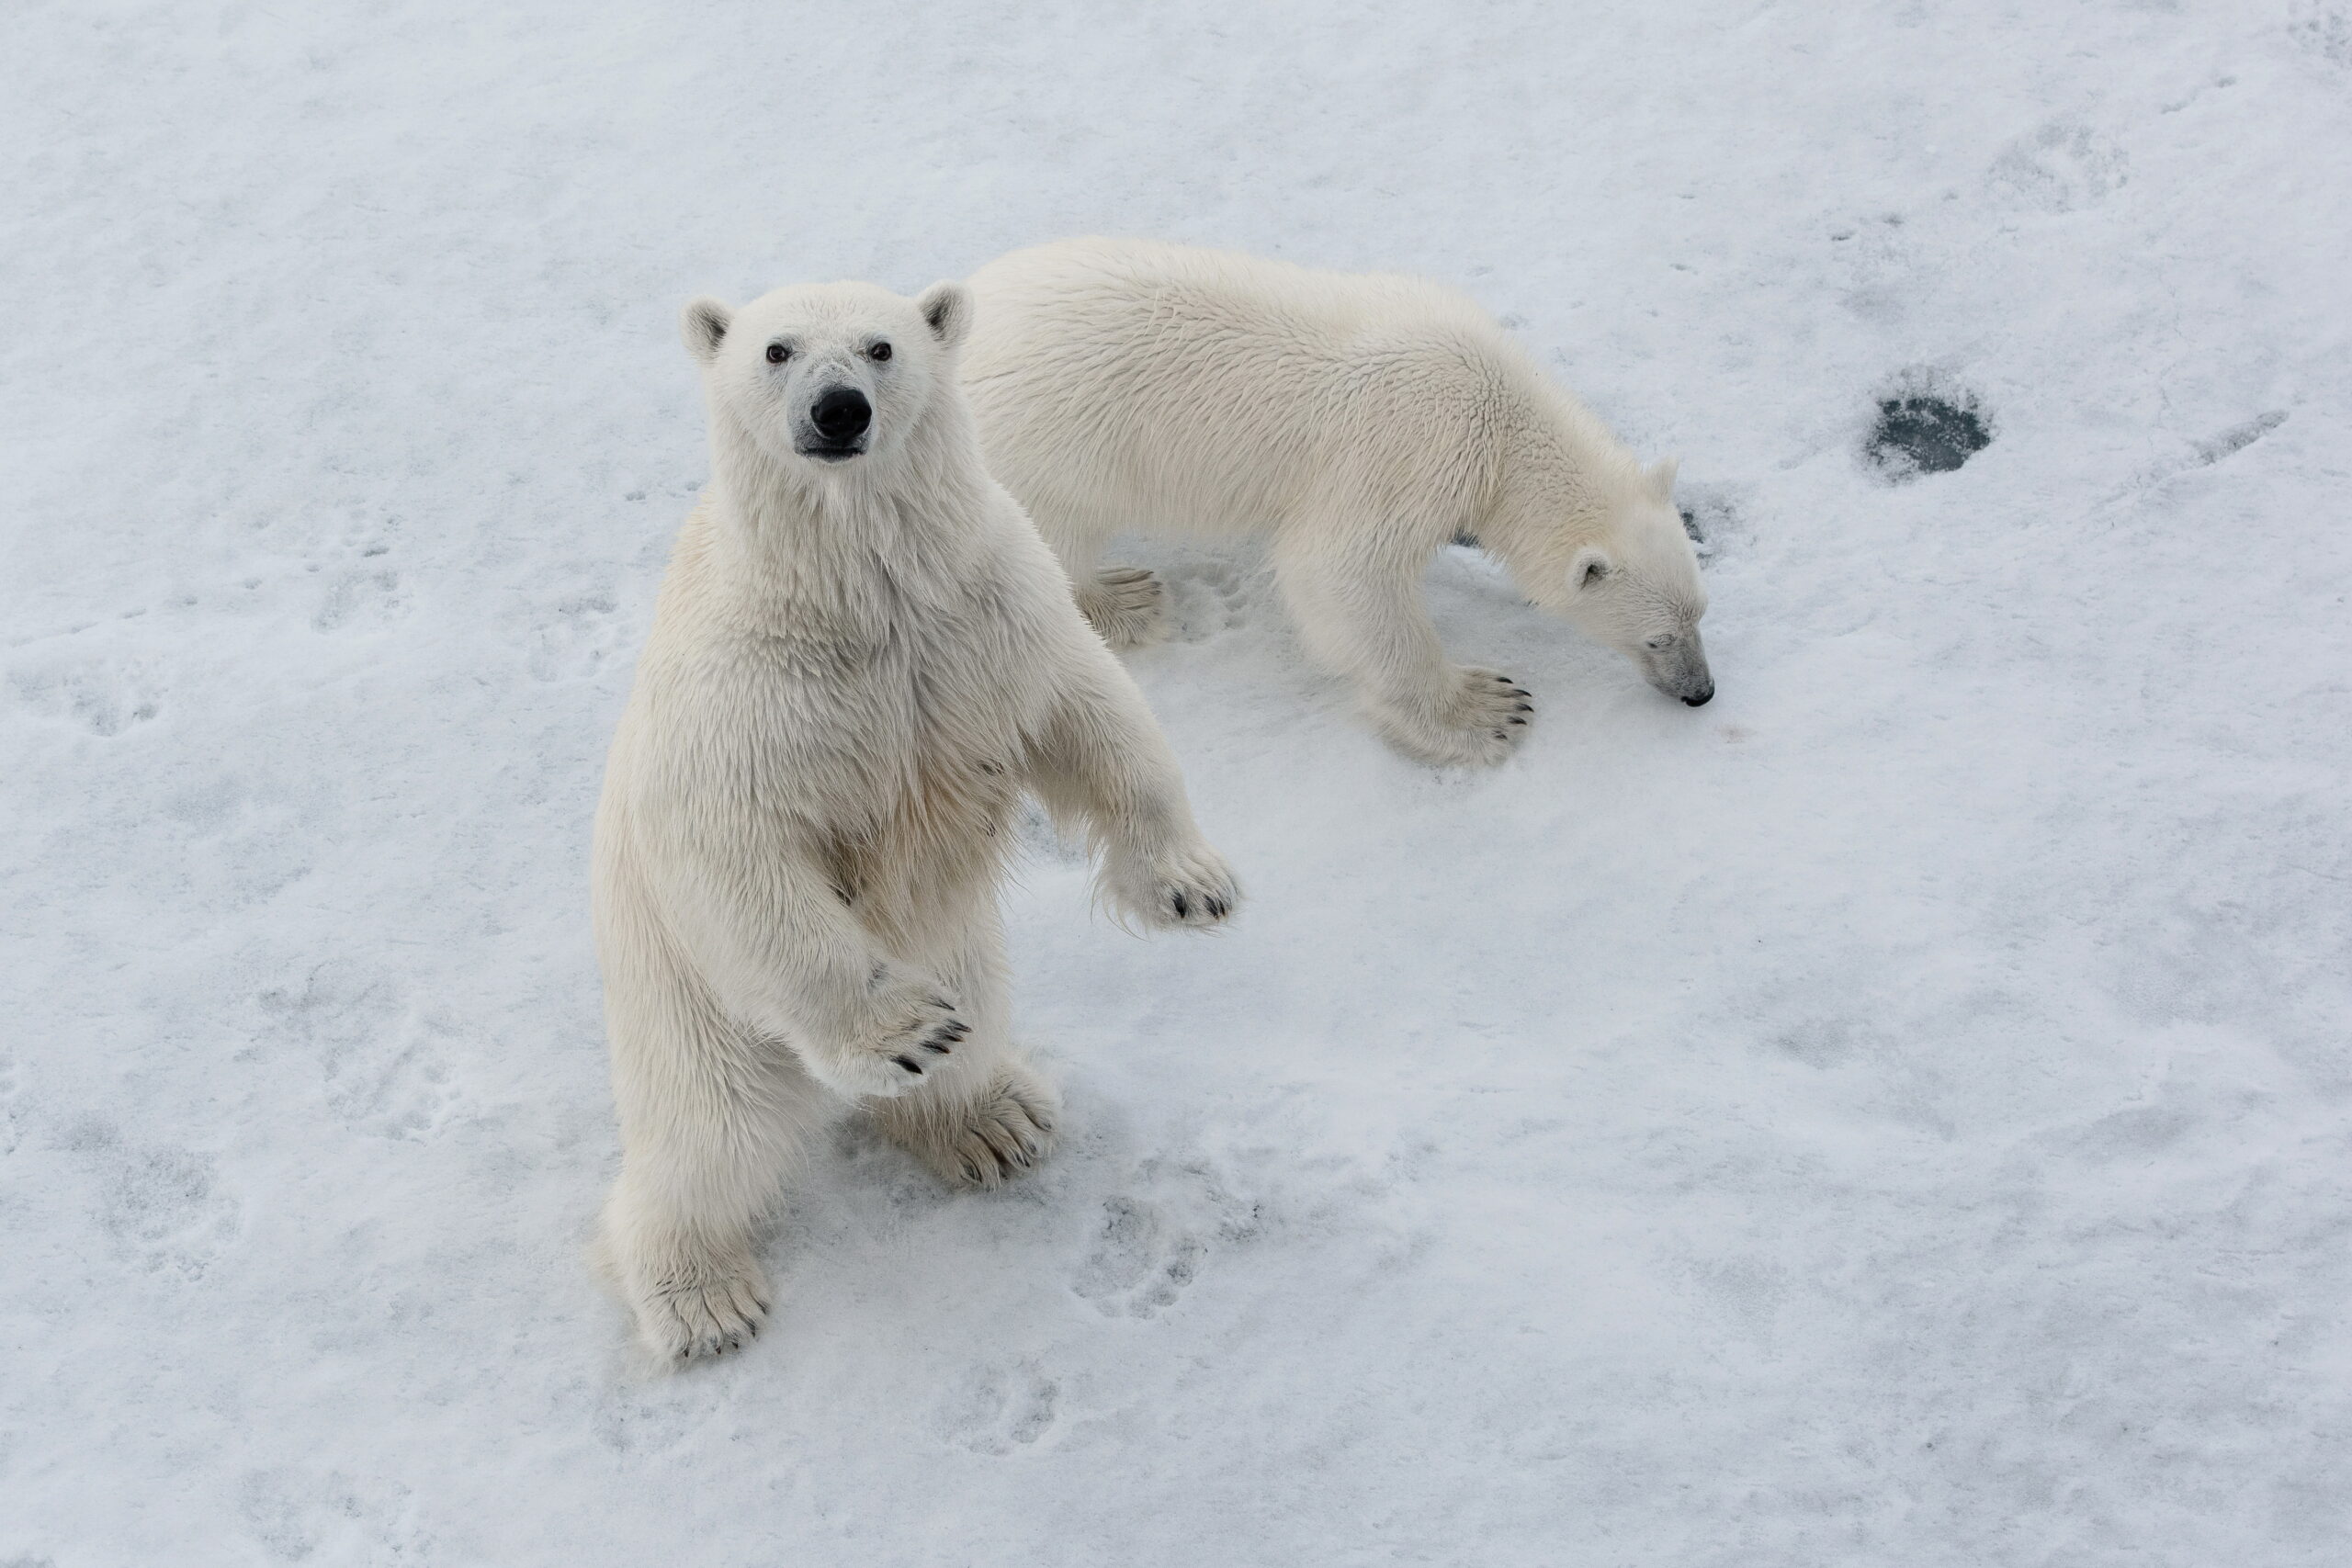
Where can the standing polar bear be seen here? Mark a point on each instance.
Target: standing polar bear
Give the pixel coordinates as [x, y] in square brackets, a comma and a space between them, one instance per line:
[1363, 421]
[861, 658]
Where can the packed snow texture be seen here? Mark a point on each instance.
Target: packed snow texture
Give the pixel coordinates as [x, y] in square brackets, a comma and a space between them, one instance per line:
[1895, 1115]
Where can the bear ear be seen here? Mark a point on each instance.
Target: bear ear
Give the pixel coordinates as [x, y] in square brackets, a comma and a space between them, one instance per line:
[1589, 570]
[704, 325]
[1662, 478]
[948, 309]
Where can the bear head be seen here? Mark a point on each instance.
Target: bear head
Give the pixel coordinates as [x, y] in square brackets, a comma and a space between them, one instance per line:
[1625, 575]
[832, 377]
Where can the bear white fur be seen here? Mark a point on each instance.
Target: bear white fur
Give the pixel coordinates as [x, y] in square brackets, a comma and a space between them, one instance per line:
[1361, 421]
[861, 656]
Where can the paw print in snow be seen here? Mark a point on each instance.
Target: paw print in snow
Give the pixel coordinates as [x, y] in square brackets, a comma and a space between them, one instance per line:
[1000, 1409]
[382, 1062]
[1151, 1243]
[358, 598]
[102, 698]
[1211, 599]
[574, 637]
[165, 1206]
[2323, 29]
[2059, 168]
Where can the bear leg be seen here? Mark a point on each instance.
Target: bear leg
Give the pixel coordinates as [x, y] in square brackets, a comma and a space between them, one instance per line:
[989, 1116]
[1359, 615]
[711, 1118]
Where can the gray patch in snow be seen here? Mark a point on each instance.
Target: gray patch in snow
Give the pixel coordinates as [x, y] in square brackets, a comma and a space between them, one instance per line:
[2238, 436]
[1927, 424]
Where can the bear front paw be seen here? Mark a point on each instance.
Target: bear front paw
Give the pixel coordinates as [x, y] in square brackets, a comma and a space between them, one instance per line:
[914, 1030]
[1189, 889]
[1480, 720]
[692, 1315]
[984, 1140]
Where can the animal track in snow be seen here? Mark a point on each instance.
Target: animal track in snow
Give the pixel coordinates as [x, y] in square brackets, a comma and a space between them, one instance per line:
[164, 1205]
[2059, 168]
[382, 1063]
[1151, 1243]
[405, 1093]
[2323, 29]
[358, 597]
[1207, 599]
[1882, 273]
[574, 636]
[100, 697]
[1820, 1044]
[1001, 1408]
[294, 1514]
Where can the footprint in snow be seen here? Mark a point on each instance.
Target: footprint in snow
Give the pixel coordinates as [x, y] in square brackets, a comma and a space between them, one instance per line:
[2060, 168]
[360, 598]
[100, 697]
[999, 1409]
[166, 1207]
[383, 1062]
[1208, 599]
[1149, 1244]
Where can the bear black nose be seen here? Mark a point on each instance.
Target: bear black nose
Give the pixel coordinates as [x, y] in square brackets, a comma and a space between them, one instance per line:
[1701, 700]
[841, 415]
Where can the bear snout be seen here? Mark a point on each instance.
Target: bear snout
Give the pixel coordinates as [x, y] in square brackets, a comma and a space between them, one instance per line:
[1681, 670]
[840, 415]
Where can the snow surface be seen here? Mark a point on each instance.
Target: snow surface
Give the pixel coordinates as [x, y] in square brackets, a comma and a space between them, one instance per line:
[1898, 1115]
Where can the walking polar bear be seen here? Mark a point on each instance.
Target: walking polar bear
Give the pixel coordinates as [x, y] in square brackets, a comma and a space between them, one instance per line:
[861, 656]
[1364, 421]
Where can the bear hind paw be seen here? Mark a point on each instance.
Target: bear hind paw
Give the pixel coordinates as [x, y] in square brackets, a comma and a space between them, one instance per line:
[1003, 1132]
[1127, 605]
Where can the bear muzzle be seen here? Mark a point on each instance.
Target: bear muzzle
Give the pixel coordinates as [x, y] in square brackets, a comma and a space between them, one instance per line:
[838, 422]
[1680, 672]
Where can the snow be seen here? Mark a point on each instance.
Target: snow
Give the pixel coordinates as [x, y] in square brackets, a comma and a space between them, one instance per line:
[1898, 1114]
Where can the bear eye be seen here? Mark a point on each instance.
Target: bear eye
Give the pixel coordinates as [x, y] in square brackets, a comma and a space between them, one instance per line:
[879, 351]
[1595, 572]
[1659, 644]
[778, 354]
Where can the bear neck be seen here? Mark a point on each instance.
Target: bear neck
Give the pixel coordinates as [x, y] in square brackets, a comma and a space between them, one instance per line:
[1559, 478]
[789, 535]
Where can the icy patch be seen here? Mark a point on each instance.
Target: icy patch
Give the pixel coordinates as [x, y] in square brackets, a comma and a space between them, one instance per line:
[1927, 424]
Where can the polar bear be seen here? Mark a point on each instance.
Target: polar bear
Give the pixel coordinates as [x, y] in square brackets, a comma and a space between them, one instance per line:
[1362, 421]
[862, 655]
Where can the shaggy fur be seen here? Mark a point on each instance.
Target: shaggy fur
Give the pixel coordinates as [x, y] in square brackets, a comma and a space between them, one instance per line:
[858, 664]
[1362, 422]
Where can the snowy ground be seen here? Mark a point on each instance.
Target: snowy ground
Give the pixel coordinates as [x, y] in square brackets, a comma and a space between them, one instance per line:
[1896, 1116]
